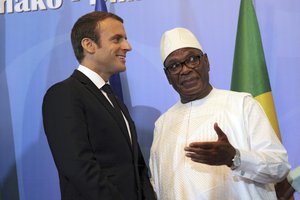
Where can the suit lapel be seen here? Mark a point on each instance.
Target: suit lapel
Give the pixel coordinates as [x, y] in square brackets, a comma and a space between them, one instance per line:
[132, 131]
[98, 94]
[135, 146]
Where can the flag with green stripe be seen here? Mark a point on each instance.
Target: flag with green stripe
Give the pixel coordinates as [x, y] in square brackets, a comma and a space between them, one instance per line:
[249, 72]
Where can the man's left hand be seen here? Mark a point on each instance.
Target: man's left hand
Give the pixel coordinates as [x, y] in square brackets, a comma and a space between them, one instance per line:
[220, 152]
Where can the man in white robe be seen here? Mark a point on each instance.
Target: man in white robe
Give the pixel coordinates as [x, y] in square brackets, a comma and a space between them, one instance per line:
[213, 144]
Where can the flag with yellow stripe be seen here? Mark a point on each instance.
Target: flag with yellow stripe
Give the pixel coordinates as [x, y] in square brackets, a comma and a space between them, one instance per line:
[249, 72]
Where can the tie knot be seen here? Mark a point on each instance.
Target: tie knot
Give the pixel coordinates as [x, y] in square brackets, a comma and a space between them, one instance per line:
[106, 88]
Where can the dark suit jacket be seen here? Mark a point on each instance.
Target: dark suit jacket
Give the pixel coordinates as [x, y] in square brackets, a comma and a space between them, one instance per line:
[91, 149]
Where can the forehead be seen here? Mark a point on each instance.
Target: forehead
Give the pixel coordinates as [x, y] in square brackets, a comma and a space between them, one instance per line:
[180, 54]
[110, 27]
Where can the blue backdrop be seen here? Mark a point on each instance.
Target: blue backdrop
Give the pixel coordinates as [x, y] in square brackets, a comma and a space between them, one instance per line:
[36, 52]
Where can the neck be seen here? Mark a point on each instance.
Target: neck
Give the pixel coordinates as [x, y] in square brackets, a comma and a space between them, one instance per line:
[187, 99]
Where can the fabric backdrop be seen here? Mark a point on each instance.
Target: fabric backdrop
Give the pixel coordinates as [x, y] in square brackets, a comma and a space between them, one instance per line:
[36, 52]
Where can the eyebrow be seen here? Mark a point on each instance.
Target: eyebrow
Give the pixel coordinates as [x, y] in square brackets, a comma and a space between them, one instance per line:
[118, 36]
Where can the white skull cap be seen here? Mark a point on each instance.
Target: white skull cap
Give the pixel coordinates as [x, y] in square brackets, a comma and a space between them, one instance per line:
[177, 38]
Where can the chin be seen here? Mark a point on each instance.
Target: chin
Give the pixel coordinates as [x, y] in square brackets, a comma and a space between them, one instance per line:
[191, 90]
[121, 68]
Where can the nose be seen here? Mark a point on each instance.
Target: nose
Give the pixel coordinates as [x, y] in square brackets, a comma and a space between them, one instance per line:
[127, 46]
[185, 69]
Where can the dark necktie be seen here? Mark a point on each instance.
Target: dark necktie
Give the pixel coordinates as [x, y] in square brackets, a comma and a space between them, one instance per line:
[106, 88]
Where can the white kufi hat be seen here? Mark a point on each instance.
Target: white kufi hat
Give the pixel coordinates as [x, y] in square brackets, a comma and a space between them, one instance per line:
[177, 38]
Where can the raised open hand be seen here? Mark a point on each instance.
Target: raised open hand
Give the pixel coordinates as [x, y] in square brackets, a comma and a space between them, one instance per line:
[220, 152]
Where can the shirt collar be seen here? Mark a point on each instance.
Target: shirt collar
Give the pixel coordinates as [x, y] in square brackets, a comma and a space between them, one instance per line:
[93, 76]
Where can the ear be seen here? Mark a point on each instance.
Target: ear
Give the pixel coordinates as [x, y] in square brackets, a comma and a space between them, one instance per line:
[206, 61]
[88, 45]
[168, 76]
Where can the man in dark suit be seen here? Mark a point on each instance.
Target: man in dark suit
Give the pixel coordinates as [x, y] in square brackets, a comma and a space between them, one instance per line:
[91, 135]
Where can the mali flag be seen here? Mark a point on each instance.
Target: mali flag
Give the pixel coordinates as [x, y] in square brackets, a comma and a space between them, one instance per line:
[249, 72]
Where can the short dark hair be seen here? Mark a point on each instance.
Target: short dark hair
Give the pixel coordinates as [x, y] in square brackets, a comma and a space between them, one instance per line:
[86, 27]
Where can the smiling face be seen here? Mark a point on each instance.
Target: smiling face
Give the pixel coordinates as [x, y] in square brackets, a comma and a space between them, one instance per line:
[191, 84]
[109, 56]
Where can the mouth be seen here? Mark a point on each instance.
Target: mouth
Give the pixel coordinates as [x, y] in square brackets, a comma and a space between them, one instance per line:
[122, 58]
[189, 82]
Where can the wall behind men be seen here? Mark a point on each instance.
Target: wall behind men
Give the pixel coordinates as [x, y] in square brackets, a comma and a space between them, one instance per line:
[36, 52]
